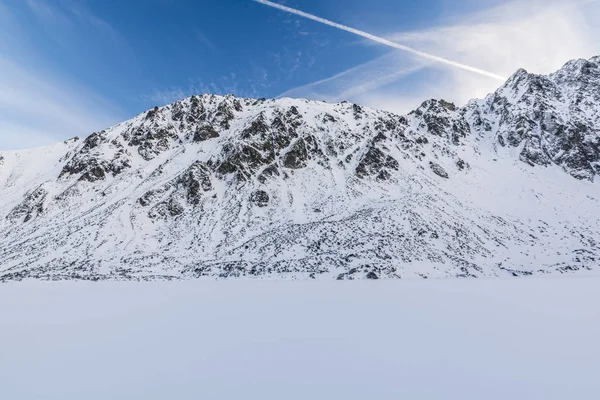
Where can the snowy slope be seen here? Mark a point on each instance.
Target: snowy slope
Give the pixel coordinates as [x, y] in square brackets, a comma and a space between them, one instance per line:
[493, 339]
[215, 186]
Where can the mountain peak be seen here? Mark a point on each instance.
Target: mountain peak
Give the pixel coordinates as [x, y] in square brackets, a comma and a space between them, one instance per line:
[220, 186]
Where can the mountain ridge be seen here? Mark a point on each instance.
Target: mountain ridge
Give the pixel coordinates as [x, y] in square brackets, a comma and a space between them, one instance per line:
[219, 186]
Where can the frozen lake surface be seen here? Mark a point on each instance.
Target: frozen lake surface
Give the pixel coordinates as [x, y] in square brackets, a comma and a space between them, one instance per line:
[520, 338]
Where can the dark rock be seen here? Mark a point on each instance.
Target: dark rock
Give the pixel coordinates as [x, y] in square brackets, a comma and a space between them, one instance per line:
[328, 118]
[447, 105]
[224, 115]
[438, 170]
[196, 180]
[242, 159]
[269, 172]
[91, 165]
[376, 163]
[297, 156]
[69, 141]
[151, 139]
[93, 141]
[197, 111]
[533, 154]
[93, 174]
[31, 206]
[260, 198]
[205, 132]
[174, 208]
[357, 110]
[257, 129]
[237, 106]
[372, 275]
[293, 111]
[192, 184]
[151, 196]
[152, 113]
[177, 112]
[169, 208]
[501, 141]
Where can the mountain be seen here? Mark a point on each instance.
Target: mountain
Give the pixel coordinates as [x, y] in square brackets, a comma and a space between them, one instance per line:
[214, 186]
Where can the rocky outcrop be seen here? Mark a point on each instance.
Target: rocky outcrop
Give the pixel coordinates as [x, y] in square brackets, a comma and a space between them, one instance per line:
[441, 118]
[438, 170]
[375, 163]
[31, 206]
[553, 119]
[296, 156]
[204, 132]
[190, 187]
[260, 198]
[91, 163]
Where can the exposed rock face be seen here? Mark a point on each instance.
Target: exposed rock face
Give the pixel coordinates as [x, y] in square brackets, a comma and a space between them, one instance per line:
[297, 156]
[31, 206]
[260, 198]
[190, 187]
[553, 119]
[372, 275]
[214, 186]
[440, 118]
[205, 132]
[91, 162]
[376, 163]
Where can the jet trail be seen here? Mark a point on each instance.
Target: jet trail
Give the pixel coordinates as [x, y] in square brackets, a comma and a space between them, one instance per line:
[381, 40]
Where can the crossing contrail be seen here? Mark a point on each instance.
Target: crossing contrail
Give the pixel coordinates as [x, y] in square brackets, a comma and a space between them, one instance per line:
[382, 40]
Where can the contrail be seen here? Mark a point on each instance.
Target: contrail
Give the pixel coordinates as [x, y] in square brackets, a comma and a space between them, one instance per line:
[382, 40]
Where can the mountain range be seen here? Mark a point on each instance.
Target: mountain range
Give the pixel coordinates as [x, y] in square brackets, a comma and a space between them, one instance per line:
[224, 187]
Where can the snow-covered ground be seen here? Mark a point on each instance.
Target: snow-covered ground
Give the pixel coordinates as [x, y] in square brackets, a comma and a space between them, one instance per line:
[525, 338]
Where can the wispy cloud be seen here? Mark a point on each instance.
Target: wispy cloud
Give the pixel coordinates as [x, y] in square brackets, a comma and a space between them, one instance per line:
[539, 35]
[86, 17]
[386, 42]
[226, 84]
[43, 10]
[204, 40]
[161, 97]
[38, 106]
[49, 108]
[364, 78]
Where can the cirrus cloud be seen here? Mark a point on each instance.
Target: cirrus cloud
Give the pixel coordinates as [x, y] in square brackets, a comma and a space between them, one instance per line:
[538, 35]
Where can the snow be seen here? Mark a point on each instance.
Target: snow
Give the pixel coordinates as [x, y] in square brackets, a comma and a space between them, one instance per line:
[363, 199]
[526, 338]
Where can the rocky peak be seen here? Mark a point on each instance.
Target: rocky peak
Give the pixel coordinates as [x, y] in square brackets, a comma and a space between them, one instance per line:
[580, 71]
[553, 119]
[440, 118]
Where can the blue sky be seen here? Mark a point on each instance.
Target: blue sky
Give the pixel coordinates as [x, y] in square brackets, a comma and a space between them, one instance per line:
[69, 67]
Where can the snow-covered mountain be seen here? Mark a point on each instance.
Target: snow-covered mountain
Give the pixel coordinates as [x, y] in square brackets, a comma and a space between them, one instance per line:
[215, 186]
